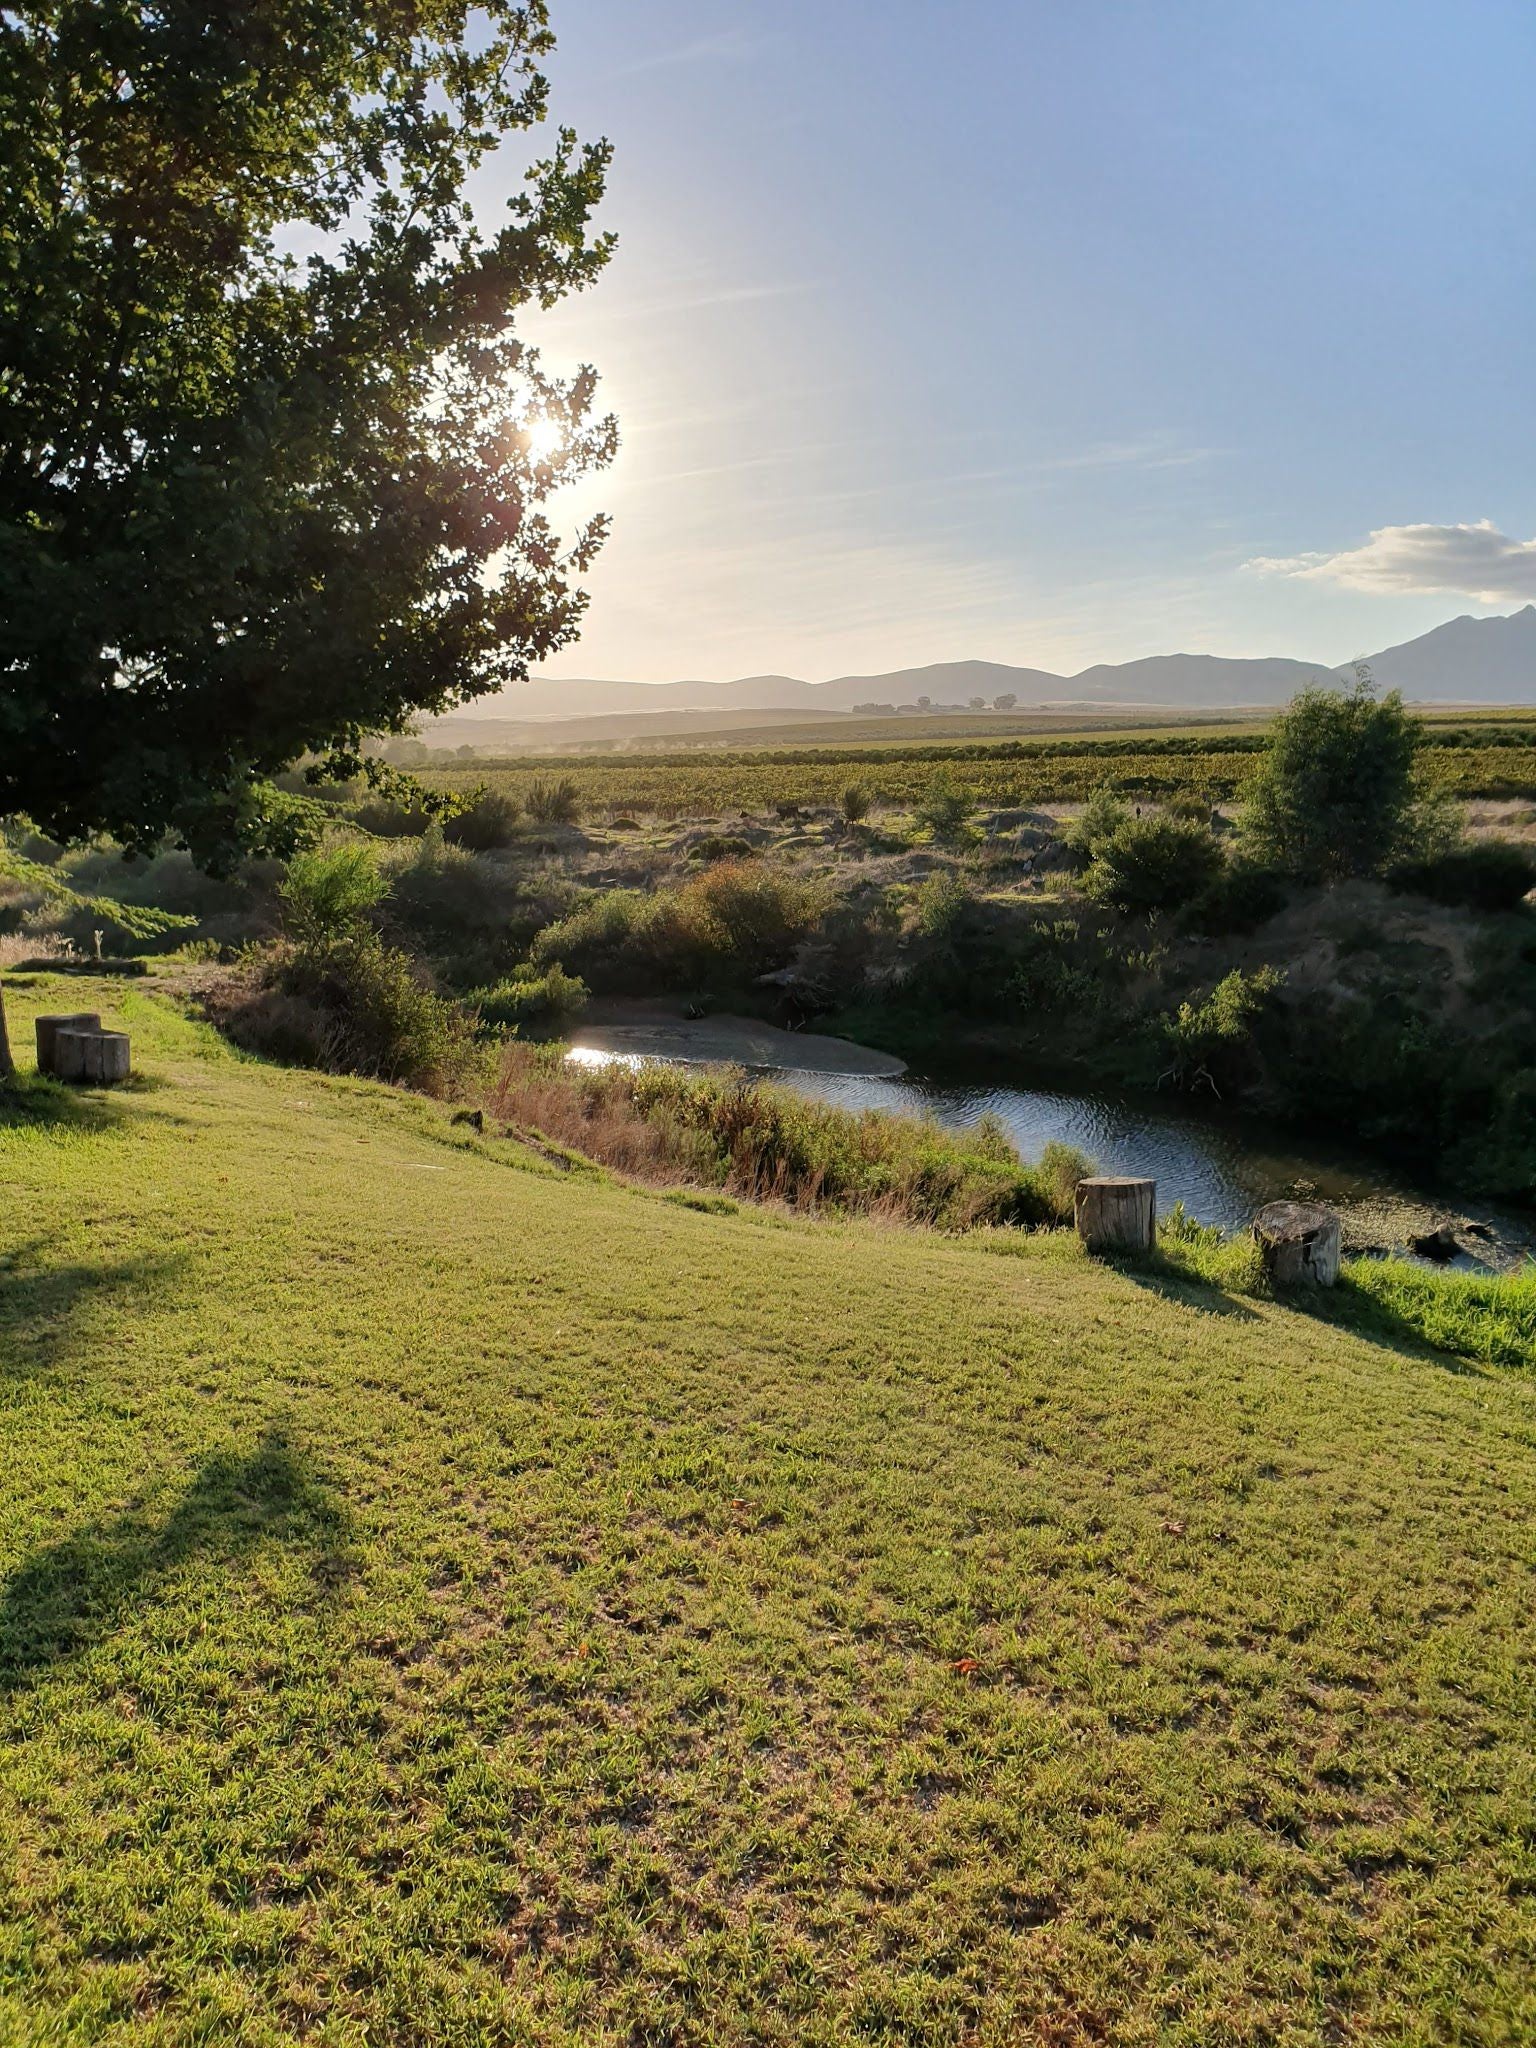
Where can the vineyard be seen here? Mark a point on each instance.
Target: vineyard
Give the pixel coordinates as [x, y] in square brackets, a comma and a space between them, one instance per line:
[703, 784]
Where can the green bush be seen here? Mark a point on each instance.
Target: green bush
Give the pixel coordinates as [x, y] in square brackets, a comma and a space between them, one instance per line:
[1202, 1043]
[527, 1000]
[721, 846]
[488, 821]
[736, 920]
[1491, 874]
[554, 800]
[944, 808]
[1055, 967]
[1101, 817]
[1154, 863]
[1240, 898]
[1335, 793]
[352, 1005]
[451, 905]
[330, 889]
[855, 802]
[387, 818]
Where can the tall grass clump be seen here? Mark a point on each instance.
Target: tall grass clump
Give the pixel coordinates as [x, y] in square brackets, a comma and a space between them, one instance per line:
[553, 800]
[1487, 1316]
[763, 1143]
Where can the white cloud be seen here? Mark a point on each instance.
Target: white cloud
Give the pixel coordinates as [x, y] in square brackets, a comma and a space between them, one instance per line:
[1476, 560]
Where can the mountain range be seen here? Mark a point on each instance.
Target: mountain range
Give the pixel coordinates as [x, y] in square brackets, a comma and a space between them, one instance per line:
[1467, 660]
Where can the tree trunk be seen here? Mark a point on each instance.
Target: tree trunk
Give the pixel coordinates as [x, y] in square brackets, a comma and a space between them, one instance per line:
[48, 1029]
[1116, 1214]
[100, 1056]
[7, 1064]
[1300, 1244]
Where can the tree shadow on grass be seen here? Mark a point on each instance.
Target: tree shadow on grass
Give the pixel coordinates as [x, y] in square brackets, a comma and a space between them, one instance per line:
[70, 1594]
[39, 1301]
[33, 1102]
[1185, 1290]
[1344, 1307]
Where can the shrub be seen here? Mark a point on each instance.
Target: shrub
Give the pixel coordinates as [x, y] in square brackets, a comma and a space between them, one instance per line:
[1491, 874]
[1155, 863]
[753, 915]
[1241, 897]
[329, 889]
[353, 1005]
[452, 905]
[1204, 1039]
[554, 800]
[940, 909]
[944, 808]
[387, 818]
[737, 919]
[721, 846]
[526, 999]
[855, 802]
[1334, 793]
[488, 821]
[1099, 820]
[1055, 968]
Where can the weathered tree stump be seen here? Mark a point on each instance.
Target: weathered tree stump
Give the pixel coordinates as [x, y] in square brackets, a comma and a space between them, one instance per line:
[100, 1056]
[1299, 1243]
[1116, 1214]
[48, 1029]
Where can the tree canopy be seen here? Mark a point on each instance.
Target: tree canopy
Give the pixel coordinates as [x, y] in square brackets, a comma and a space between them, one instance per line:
[1334, 793]
[271, 453]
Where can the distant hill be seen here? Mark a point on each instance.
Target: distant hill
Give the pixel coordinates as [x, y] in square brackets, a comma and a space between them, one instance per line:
[1468, 660]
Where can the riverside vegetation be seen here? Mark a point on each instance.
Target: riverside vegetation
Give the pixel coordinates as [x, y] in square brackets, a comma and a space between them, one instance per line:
[1343, 949]
[452, 1595]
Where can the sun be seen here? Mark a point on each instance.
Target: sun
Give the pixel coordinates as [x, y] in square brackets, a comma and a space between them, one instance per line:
[546, 438]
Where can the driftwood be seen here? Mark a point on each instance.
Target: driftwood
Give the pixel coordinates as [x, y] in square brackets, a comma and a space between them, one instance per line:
[48, 1029]
[1299, 1243]
[100, 1056]
[1115, 1214]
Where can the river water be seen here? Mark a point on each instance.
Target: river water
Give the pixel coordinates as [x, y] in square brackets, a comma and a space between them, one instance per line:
[1222, 1167]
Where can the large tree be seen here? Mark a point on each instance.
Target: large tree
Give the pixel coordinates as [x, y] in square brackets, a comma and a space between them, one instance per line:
[271, 450]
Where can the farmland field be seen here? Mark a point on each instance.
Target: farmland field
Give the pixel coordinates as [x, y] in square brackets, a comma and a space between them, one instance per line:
[1016, 773]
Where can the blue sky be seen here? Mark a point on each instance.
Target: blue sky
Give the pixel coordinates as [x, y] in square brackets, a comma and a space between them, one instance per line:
[1024, 331]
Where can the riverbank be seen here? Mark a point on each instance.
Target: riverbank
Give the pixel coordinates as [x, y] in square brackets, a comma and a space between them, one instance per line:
[661, 1031]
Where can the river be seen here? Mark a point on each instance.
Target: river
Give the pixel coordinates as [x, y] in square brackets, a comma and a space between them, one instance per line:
[1220, 1165]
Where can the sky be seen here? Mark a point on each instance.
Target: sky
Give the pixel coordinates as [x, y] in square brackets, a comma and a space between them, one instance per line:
[1052, 331]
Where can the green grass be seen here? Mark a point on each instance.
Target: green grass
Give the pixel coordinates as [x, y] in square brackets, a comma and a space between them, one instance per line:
[449, 1599]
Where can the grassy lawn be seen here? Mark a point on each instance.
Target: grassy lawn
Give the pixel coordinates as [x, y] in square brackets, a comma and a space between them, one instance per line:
[451, 1600]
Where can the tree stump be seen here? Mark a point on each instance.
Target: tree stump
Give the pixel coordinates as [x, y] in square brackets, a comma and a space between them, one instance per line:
[1115, 1214]
[48, 1029]
[1299, 1243]
[100, 1056]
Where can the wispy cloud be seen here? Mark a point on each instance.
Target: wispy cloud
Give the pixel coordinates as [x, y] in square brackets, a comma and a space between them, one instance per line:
[1477, 560]
[1151, 451]
[730, 46]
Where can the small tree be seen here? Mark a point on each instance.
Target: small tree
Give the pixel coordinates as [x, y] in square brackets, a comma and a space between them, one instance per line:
[855, 802]
[256, 504]
[1335, 793]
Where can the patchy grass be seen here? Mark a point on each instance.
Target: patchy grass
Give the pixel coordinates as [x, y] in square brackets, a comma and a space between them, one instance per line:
[450, 1600]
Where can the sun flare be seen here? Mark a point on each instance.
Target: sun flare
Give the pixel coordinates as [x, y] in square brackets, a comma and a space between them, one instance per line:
[546, 438]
